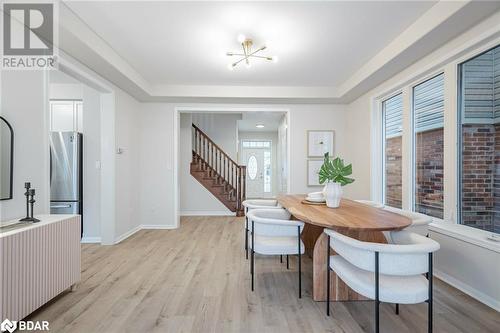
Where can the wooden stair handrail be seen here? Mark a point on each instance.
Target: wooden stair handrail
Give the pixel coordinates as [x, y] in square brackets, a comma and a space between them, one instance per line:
[220, 163]
[215, 145]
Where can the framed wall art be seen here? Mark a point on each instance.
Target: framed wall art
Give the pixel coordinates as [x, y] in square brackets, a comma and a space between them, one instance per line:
[319, 143]
[313, 167]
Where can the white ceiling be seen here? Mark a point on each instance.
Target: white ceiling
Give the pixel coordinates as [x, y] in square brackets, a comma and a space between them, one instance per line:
[184, 43]
[270, 120]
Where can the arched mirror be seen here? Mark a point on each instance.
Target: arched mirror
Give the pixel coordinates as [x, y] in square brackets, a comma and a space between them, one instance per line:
[6, 159]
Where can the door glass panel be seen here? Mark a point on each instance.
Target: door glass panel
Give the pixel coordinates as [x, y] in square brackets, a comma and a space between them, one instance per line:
[252, 167]
[267, 171]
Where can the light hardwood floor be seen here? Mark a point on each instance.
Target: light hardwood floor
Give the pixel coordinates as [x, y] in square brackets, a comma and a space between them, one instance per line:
[196, 279]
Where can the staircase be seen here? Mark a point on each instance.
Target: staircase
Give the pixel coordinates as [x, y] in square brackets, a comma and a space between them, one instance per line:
[217, 172]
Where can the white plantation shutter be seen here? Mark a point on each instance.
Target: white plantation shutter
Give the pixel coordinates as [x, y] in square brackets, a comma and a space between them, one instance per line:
[496, 84]
[393, 113]
[481, 88]
[428, 104]
[477, 87]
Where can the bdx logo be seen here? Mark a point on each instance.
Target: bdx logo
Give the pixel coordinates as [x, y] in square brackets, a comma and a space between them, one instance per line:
[11, 326]
[28, 29]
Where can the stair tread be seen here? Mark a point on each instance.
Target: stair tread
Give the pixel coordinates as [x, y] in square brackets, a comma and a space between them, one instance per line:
[214, 183]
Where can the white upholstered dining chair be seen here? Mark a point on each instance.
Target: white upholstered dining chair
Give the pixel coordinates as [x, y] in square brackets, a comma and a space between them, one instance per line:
[419, 222]
[273, 233]
[391, 273]
[371, 203]
[256, 204]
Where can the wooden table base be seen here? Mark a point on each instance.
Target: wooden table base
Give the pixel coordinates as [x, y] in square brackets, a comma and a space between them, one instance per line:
[339, 291]
[351, 218]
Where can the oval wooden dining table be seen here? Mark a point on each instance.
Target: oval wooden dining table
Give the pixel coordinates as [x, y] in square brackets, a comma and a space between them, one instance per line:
[353, 219]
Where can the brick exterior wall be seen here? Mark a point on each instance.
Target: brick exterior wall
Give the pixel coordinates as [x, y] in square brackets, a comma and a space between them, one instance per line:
[481, 176]
[496, 182]
[393, 176]
[429, 172]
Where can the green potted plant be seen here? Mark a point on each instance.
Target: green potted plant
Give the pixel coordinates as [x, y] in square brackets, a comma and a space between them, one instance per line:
[334, 173]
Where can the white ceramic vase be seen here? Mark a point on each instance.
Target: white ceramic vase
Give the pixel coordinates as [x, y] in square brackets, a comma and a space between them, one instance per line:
[333, 194]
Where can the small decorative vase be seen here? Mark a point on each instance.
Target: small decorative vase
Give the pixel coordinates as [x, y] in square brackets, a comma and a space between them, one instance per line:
[333, 194]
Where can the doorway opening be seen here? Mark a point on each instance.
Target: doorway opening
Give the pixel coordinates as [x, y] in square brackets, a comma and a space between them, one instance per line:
[75, 151]
[254, 140]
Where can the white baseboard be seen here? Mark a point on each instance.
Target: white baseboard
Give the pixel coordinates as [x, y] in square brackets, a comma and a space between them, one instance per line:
[141, 227]
[127, 234]
[156, 226]
[206, 213]
[472, 292]
[90, 240]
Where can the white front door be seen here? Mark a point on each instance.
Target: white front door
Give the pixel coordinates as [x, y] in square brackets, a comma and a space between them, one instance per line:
[258, 177]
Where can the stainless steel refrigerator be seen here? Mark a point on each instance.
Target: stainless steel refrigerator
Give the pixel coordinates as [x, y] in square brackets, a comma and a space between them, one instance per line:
[66, 173]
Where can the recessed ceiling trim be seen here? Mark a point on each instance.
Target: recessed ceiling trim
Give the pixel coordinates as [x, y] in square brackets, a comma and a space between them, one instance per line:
[423, 26]
[114, 68]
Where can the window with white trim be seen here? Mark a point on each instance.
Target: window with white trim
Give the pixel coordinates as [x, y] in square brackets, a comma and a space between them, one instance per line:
[392, 109]
[428, 140]
[479, 141]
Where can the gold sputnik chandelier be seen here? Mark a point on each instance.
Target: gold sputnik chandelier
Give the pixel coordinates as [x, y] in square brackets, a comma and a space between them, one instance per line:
[248, 53]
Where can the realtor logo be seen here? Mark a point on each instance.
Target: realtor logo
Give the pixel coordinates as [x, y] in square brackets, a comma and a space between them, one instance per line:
[8, 326]
[29, 33]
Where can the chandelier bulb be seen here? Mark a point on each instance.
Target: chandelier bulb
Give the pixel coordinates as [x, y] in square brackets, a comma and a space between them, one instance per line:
[241, 38]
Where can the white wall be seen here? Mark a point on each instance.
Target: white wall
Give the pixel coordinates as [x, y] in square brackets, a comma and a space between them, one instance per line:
[267, 136]
[156, 165]
[24, 103]
[91, 155]
[314, 117]
[65, 90]
[127, 135]
[472, 268]
[358, 138]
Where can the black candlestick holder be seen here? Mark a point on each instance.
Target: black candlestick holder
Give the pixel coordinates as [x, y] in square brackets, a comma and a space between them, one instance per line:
[30, 201]
[27, 186]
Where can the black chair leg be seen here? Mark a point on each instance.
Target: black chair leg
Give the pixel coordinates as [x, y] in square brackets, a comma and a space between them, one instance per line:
[252, 261]
[429, 305]
[281, 258]
[287, 262]
[377, 299]
[246, 238]
[397, 308]
[300, 265]
[328, 277]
